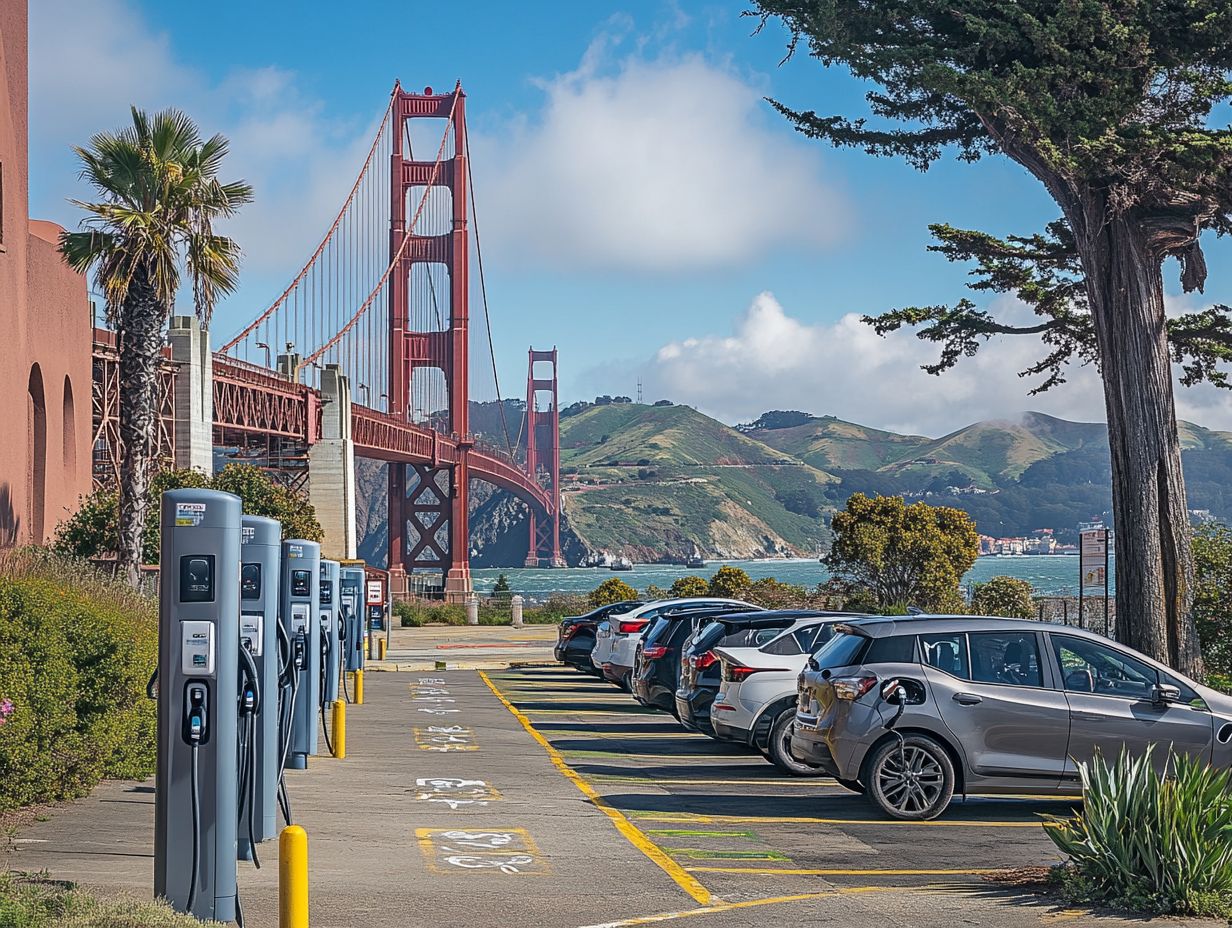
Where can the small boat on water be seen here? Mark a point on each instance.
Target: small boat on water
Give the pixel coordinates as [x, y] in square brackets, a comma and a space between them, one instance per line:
[621, 563]
[695, 560]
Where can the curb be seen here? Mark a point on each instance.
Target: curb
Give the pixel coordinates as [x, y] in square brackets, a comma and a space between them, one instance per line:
[425, 666]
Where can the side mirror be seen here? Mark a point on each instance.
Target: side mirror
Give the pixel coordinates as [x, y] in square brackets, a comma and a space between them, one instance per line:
[1162, 693]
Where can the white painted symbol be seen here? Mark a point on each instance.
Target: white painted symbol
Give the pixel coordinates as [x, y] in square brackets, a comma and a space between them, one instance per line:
[480, 840]
[454, 791]
[427, 680]
[437, 711]
[504, 864]
[432, 699]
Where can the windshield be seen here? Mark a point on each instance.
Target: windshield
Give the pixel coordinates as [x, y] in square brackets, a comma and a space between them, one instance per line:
[843, 650]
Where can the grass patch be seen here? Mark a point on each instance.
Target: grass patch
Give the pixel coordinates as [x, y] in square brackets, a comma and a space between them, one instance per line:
[34, 901]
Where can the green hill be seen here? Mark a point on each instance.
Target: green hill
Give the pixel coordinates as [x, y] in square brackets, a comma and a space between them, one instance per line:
[654, 482]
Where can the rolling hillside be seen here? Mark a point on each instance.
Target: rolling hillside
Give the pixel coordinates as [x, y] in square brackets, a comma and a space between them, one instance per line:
[656, 482]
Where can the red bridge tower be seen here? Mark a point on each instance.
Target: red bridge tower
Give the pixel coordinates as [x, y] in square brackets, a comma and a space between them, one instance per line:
[543, 460]
[428, 502]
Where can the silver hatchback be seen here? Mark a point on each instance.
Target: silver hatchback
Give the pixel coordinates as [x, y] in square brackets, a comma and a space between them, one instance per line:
[910, 711]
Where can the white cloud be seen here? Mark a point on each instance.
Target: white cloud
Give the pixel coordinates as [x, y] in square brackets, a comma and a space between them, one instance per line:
[90, 61]
[775, 361]
[652, 164]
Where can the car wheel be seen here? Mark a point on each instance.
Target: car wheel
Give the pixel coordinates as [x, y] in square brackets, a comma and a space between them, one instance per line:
[780, 747]
[914, 781]
[854, 785]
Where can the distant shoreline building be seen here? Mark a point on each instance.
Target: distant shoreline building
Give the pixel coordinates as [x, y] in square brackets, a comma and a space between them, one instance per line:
[46, 378]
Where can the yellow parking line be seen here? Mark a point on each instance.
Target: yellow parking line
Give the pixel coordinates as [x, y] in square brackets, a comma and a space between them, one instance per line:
[625, 714]
[772, 871]
[735, 782]
[631, 832]
[624, 736]
[747, 904]
[806, 820]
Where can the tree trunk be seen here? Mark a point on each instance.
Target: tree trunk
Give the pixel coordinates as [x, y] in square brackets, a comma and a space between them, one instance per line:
[140, 342]
[1154, 561]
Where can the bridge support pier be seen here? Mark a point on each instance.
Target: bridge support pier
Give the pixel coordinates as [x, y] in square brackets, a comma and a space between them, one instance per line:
[331, 467]
[194, 394]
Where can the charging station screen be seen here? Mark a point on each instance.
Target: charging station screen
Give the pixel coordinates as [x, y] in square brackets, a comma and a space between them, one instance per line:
[197, 578]
[327, 592]
[301, 583]
[250, 581]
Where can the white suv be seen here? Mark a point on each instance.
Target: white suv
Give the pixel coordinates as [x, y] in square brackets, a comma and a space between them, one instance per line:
[756, 702]
[616, 646]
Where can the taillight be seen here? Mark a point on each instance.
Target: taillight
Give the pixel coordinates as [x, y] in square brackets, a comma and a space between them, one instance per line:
[702, 661]
[626, 628]
[736, 673]
[852, 687]
[654, 652]
[567, 632]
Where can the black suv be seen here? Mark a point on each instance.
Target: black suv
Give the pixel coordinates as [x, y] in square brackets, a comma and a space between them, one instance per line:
[575, 638]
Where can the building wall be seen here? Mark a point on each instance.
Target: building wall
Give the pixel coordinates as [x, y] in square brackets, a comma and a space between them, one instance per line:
[45, 332]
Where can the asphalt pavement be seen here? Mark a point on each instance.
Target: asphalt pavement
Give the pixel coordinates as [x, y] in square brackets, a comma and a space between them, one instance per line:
[535, 797]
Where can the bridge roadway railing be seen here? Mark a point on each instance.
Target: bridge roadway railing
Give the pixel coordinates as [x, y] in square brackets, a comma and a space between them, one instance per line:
[251, 398]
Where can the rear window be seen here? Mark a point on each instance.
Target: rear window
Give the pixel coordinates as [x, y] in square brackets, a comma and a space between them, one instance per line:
[802, 641]
[842, 650]
[750, 637]
[654, 629]
[894, 649]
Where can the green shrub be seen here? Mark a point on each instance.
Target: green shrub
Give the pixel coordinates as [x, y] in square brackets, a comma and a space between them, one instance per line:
[76, 651]
[689, 586]
[730, 582]
[1004, 596]
[1212, 548]
[1158, 844]
[774, 594]
[28, 901]
[613, 590]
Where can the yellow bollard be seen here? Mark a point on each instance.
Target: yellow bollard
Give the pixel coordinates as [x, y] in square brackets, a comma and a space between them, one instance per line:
[293, 878]
[380, 649]
[339, 725]
[359, 687]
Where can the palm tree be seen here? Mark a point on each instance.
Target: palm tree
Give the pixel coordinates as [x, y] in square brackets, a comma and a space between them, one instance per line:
[159, 197]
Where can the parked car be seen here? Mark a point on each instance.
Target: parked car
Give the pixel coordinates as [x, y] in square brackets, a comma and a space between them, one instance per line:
[656, 659]
[614, 650]
[989, 705]
[699, 667]
[575, 638]
[756, 701]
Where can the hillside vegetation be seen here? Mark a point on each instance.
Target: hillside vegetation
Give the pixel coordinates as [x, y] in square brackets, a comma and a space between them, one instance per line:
[654, 483]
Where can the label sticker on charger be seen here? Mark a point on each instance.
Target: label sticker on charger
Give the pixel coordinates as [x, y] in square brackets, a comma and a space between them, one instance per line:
[189, 514]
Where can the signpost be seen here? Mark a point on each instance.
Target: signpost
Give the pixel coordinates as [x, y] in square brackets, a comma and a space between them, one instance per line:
[1093, 568]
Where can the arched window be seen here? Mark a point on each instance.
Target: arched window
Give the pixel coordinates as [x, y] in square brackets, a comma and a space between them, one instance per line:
[36, 405]
[70, 431]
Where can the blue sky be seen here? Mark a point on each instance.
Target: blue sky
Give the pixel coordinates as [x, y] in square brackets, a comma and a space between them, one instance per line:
[641, 207]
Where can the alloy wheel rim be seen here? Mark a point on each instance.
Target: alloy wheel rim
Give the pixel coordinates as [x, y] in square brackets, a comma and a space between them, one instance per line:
[911, 780]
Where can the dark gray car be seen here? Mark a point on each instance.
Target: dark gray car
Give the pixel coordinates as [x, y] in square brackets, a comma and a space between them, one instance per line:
[992, 706]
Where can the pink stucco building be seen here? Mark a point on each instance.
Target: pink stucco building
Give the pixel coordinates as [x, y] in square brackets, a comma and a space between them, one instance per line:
[45, 331]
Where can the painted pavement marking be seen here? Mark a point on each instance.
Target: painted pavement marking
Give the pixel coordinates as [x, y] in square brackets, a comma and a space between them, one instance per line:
[445, 738]
[511, 851]
[455, 792]
[630, 831]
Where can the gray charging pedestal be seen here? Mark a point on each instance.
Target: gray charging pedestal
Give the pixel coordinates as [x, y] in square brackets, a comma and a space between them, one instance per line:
[299, 590]
[330, 638]
[261, 546]
[198, 673]
[353, 605]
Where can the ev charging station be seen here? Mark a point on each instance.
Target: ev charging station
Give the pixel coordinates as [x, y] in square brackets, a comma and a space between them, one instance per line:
[331, 632]
[352, 584]
[299, 593]
[261, 543]
[195, 805]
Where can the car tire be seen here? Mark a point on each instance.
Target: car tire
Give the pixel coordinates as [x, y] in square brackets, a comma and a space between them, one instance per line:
[926, 789]
[854, 785]
[779, 753]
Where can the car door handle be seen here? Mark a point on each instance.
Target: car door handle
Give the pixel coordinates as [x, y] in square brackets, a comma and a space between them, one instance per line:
[1087, 716]
[967, 699]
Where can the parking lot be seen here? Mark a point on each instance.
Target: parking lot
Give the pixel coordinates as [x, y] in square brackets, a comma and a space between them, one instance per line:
[537, 797]
[728, 824]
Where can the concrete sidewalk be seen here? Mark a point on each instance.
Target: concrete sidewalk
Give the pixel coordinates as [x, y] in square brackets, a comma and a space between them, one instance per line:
[467, 647]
